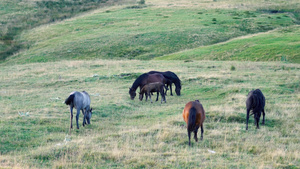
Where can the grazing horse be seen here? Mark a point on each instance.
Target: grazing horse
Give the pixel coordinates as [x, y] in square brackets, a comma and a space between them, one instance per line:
[194, 116]
[171, 78]
[81, 101]
[144, 79]
[255, 102]
[153, 87]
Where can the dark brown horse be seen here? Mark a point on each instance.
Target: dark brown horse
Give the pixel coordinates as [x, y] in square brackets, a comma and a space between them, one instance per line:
[153, 87]
[255, 102]
[144, 79]
[194, 116]
[171, 78]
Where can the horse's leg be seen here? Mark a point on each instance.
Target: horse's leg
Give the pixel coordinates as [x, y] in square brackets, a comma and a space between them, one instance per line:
[263, 121]
[257, 123]
[163, 96]
[247, 118]
[202, 130]
[85, 121]
[77, 117]
[166, 87]
[71, 118]
[189, 134]
[195, 133]
[157, 96]
[171, 89]
[150, 97]
[84, 117]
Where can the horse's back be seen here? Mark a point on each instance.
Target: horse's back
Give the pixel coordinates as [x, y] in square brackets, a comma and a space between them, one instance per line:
[200, 115]
[255, 99]
[155, 77]
[81, 100]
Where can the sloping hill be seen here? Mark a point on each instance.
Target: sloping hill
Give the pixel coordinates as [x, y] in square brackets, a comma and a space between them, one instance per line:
[279, 45]
[141, 33]
[19, 15]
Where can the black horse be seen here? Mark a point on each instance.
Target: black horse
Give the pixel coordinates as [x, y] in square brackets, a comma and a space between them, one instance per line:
[171, 78]
[256, 103]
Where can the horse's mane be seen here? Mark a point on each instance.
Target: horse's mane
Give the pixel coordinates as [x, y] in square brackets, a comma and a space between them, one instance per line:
[138, 81]
[85, 93]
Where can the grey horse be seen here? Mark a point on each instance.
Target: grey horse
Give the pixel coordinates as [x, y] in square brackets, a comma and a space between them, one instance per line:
[81, 101]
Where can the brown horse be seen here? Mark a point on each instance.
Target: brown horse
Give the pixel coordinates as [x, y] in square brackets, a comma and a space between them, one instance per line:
[171, 78]
[153, 87]
[194, 116]
[144, 79]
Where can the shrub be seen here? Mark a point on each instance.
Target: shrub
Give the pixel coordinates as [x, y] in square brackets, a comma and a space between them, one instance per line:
[232, 68]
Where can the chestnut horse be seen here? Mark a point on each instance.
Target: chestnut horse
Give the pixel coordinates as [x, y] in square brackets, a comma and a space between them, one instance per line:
[194, 116]
[144, 79]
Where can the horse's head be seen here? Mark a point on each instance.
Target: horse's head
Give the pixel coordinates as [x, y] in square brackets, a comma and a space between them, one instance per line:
[177, 90]
[89, 115]
[132, 93]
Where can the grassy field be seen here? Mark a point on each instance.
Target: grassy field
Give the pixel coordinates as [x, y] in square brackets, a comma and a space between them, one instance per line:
[220, 49]
[135, 134]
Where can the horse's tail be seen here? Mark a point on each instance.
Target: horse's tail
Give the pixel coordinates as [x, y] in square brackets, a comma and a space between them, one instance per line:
[192, 119]
[70, 99]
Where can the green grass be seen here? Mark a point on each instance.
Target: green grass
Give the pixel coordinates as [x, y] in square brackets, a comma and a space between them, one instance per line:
[92, 51]
[278, 45]
[135, 134]
[17, 16]
[142, 33]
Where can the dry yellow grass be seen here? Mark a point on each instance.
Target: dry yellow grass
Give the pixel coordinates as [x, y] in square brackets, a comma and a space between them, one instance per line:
[134, 134]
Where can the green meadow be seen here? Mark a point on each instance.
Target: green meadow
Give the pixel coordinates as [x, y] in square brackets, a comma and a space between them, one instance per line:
[219, 49]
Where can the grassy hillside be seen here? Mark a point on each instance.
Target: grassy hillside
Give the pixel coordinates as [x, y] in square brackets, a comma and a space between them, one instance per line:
[134, 134]
[19, 15]
[279, 45]
[149, 31]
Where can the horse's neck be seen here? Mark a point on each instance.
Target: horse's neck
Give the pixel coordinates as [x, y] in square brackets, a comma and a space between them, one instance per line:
[138, 82]
[177, 83]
